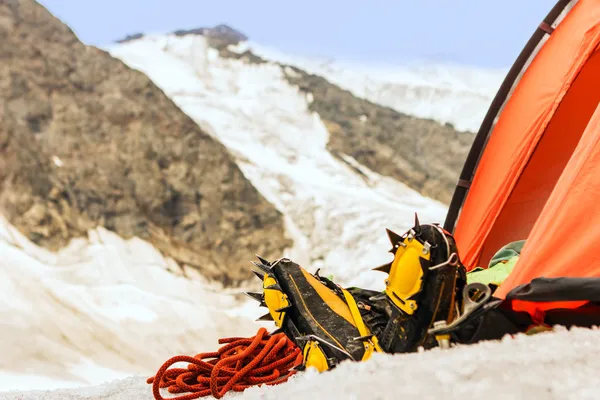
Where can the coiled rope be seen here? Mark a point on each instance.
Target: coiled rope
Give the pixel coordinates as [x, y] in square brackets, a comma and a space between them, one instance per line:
[263, 359]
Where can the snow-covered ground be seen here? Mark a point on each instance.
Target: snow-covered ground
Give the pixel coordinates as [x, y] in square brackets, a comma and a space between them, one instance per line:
[456, 94]
[100, 309]
[336, 216]
[553, 365]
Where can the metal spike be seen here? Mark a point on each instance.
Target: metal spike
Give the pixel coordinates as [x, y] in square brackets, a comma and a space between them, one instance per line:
[279, 330]
[266, 317]
[417, 227]
[260, 275]
[384, 268]
[262, 267]
[255, 296]
[275, 286]
[363, 338]
[298, 368]
[262, 260]
[394, 237]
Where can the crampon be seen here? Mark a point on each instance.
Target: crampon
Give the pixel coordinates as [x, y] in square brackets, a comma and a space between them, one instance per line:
[426, 296]
[426, 303]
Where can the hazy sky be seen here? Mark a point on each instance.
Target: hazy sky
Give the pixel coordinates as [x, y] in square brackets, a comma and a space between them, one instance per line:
[475, 32]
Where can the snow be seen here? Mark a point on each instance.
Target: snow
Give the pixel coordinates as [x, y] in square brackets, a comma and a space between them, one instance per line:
[553, 365]
[100, 309]
[447, 93]
[336, 216]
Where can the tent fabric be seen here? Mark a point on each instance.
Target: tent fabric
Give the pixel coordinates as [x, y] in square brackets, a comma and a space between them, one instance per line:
[548, 160]
[534, 138]
[565, 241]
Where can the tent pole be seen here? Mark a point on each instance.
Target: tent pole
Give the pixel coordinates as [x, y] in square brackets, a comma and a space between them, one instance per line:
[478, 146]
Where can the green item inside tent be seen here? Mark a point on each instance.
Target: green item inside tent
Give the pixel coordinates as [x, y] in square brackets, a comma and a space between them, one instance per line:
[500, 266]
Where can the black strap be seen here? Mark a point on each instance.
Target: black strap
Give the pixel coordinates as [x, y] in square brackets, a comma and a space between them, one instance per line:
[389, 336]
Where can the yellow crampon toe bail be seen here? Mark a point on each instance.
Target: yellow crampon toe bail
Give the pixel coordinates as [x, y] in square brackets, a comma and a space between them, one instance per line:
[277, 302]
[313, 356]
[406, 273]
[273, 296]
[424, 279]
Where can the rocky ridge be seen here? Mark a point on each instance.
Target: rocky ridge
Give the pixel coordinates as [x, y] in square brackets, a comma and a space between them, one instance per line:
[422, 153]
[86, 141]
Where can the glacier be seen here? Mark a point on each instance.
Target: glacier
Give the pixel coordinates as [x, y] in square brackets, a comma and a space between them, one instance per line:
[448, 93]
[336, 216]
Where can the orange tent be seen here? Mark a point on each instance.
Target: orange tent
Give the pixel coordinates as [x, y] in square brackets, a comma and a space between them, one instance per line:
[534, 169]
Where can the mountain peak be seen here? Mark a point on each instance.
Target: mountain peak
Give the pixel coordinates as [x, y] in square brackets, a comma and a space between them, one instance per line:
[221, 35]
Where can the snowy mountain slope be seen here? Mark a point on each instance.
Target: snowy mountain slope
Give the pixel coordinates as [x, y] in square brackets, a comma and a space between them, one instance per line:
[553, 365]
[102, 308]
[336, 216]
[453, 94]
[105, 307]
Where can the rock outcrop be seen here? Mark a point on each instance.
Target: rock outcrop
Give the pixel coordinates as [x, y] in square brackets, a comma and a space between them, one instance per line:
[423, 154]
[86, 141]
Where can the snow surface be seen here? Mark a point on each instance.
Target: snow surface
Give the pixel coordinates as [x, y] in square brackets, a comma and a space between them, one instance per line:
[336, 216]
[552, 365]
[447, 93]
[100, 309]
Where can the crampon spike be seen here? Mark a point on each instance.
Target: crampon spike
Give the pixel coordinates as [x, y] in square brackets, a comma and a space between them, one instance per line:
[260, 275]
[274, 286]
[394, 237]
[417, 227]
[266, 317]
[262, 260]
[276, 331]
[298, 368]
[255, 296]
[384, 268]
[262, 267]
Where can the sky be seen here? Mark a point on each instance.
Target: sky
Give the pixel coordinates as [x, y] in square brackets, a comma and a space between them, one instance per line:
[484, 33]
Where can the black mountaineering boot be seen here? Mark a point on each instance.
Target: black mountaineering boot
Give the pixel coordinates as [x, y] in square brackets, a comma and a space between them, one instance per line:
[425, 301]
[323, 319]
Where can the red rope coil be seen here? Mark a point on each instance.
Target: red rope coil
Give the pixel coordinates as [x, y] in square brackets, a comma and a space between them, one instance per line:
[263, 359]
